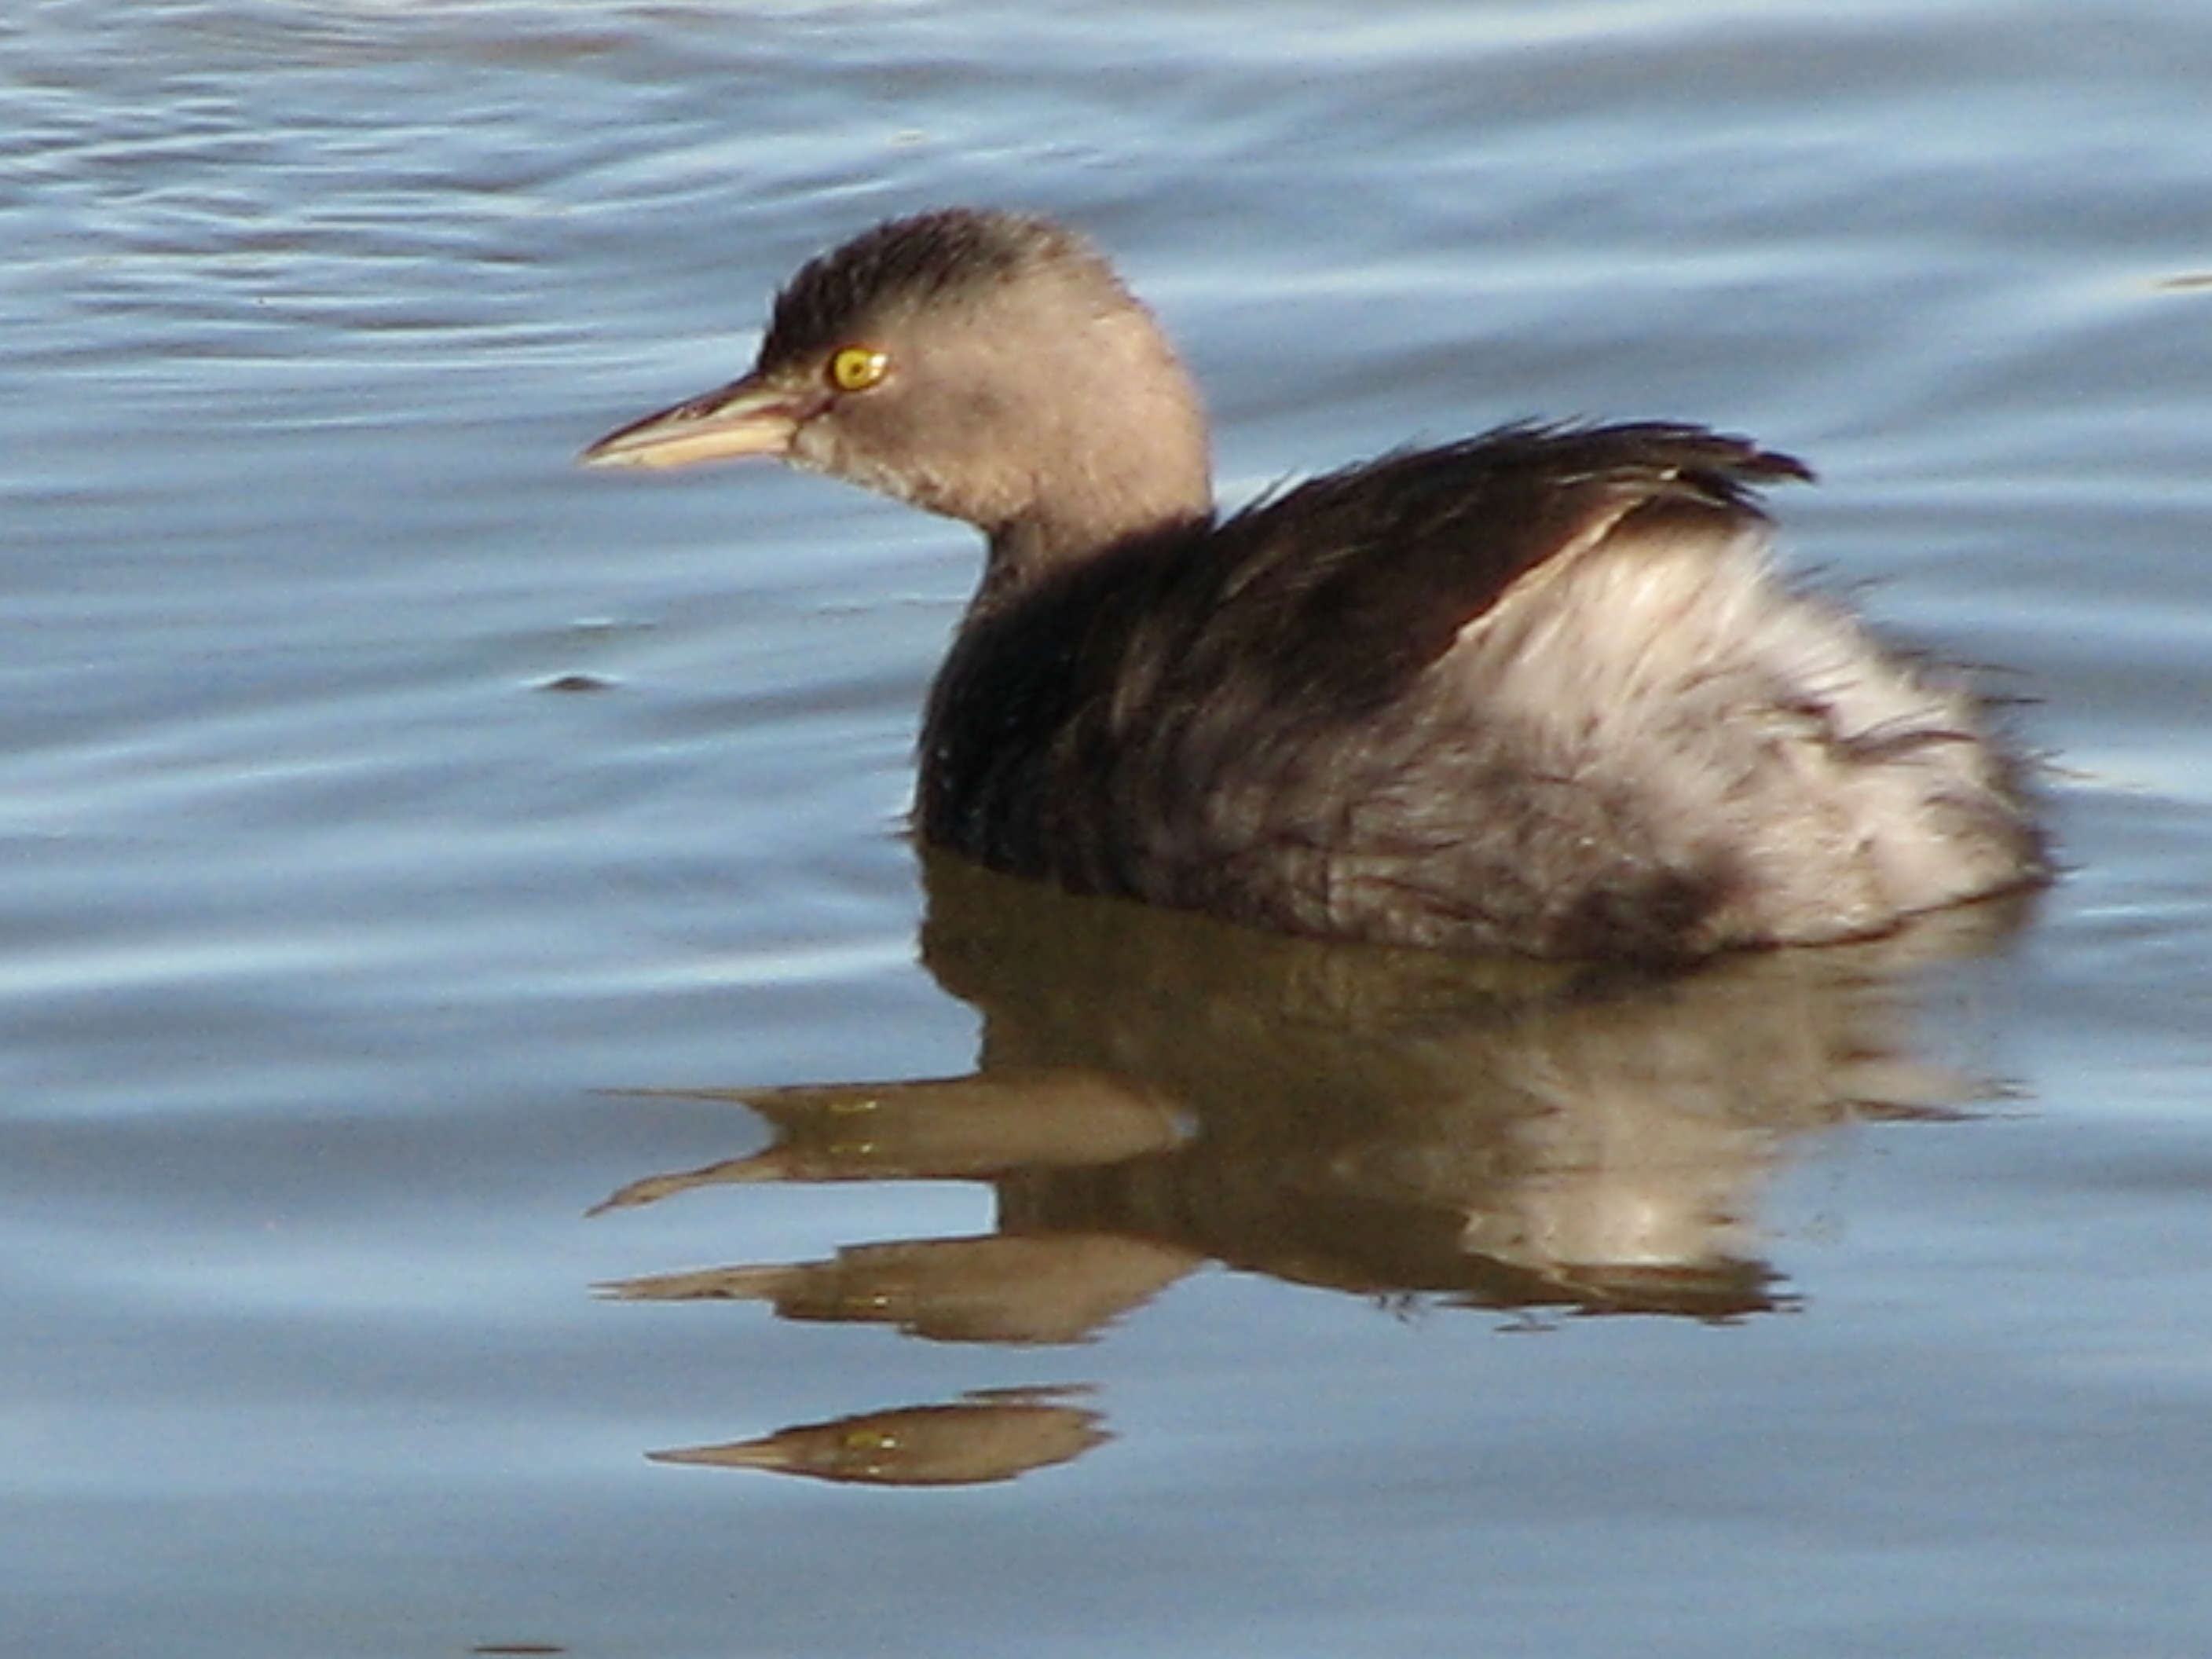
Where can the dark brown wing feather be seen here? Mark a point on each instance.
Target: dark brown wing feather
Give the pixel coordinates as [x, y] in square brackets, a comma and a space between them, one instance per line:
[1348, 586]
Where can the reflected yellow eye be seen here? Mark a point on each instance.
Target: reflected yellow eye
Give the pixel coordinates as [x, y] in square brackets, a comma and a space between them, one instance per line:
[856, 369]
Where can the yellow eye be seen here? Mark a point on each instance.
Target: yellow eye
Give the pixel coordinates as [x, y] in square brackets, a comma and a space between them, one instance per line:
[856, 369]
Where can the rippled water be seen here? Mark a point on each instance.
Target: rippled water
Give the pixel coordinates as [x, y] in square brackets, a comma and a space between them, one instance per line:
[1247, 1297]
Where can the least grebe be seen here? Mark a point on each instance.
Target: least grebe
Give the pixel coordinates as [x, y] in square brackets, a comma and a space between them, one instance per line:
[1539, 691]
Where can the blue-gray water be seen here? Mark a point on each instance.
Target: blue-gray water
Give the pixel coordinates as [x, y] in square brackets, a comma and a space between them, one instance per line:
[334, 944]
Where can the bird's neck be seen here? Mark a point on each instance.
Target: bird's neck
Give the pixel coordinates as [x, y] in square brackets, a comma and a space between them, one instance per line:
[1030, 548]
[1146, 469]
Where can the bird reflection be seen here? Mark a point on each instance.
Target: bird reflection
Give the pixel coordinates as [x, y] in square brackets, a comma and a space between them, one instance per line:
[990, 1435]
[1157, 1091]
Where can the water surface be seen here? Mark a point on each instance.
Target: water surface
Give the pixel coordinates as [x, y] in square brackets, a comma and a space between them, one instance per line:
[1248, 1301]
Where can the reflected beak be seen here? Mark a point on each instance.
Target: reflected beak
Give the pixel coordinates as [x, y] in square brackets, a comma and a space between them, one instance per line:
[750, 416]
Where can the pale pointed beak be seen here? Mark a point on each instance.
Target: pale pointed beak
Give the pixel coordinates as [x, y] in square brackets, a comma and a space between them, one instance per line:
[750, 416]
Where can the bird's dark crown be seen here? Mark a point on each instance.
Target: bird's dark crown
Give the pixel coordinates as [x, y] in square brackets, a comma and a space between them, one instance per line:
[911, 262]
